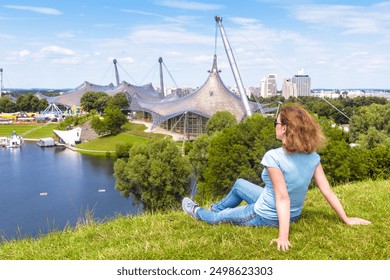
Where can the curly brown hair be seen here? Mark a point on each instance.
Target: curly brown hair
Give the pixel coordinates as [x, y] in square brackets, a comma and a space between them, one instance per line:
[303, 133]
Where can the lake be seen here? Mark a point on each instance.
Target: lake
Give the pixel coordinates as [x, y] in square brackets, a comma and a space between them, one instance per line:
[42, 189]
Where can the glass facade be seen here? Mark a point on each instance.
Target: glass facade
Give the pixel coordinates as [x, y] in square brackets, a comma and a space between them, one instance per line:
[189, 124]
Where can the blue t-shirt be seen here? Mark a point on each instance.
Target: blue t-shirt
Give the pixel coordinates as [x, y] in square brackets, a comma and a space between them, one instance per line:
[297, 169]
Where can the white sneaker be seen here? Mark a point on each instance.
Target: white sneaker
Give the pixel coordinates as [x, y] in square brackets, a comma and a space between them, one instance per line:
[189, 206]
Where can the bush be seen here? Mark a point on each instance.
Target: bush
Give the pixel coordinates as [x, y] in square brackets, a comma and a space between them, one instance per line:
[156, 174]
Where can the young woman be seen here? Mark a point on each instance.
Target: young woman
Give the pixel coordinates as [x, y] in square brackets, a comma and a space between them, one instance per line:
[287, 174]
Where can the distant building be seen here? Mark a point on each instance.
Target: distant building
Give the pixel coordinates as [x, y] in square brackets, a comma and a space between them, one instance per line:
[269, 86]
[303, 83]
[289, 88]
[263, 91]
[254, 92]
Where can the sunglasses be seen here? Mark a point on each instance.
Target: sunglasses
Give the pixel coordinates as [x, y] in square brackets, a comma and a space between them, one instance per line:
[276, 123]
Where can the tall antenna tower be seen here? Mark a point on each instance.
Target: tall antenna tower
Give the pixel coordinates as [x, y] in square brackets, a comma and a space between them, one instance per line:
[234, 67]
[160, 60]
[116, 72]
[1, 82]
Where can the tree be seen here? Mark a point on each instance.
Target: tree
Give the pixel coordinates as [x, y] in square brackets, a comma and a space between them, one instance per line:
[6, 105]
[219, 121]
[379, 162]
[42, 105]
[114, 120]
[373, 137]
[110, 123]
[97, 100]
[34, 102]
[359, 163]
[370, 126]
[235, 152]
[198, 155]
[23, 102]
[119, 101]
[156, 174]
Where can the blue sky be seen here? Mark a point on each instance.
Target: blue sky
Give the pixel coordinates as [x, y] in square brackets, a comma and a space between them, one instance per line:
[61, 44]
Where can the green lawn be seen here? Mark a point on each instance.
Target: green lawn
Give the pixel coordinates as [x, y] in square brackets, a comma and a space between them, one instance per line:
[318, 235]
[108, 143]
[132, 133]
[32, 130]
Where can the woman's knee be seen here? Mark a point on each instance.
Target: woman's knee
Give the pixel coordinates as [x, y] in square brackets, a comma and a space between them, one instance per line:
[239, 182]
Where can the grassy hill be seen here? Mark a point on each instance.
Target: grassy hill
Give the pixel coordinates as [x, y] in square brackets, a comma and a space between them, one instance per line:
[319, 234]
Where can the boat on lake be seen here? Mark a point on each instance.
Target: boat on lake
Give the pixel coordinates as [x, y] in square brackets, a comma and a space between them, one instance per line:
[14, 141]
[46, 142]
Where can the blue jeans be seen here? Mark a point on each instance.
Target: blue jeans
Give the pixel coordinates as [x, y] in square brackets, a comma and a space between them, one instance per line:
[228, 211]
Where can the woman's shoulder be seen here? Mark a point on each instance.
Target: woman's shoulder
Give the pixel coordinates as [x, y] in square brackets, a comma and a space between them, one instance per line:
[276, 151]
[273, 155]
[281, 152]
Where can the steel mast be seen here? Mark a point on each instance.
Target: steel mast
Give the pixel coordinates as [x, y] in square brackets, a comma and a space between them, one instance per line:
[234, 67]
[160, 60]
[1, 82]
[116, 72]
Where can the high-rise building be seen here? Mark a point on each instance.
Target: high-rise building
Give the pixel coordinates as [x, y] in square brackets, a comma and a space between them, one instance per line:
[303, 83]
[269, 86]
[263, 91]
[289, 88]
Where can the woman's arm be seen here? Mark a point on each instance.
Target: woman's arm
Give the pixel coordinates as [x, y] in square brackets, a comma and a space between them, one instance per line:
[330, 196]
[282, 207]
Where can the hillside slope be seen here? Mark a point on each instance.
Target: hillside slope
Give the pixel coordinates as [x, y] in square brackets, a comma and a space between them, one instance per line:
[319, 234]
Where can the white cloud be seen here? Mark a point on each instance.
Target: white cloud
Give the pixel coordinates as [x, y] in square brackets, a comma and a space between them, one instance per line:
[66, 60]
[128, 59]
[131, 11]
[56, 50]
[40, 10]
[168, 35]
[184, 19]
[174, 53]
[203, 58]
[104, 25]
[353, 19]
[24, 53]
[66, 34]
[244, 21]
[189, 5]
[359, 54]
[4, 36]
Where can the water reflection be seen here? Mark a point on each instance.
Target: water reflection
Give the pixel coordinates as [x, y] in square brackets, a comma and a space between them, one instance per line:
[48, 188]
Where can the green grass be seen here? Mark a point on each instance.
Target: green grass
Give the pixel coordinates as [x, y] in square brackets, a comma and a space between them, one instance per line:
[132, 134]
[108, 143]
[42, 132]
[33, 130]
[319, 234]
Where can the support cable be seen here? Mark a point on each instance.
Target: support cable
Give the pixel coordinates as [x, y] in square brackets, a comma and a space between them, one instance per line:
[154, 67]
[124, 70]
[288, 71]
[170, 75]
[176, 124]
[105, 74]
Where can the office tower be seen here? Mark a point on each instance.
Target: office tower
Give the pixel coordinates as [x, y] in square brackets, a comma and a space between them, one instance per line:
[268, 86]
[289, 88]
[303, 83]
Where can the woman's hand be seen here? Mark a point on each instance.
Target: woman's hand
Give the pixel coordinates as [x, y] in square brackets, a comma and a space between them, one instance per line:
[283, 244]
[356, 221]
